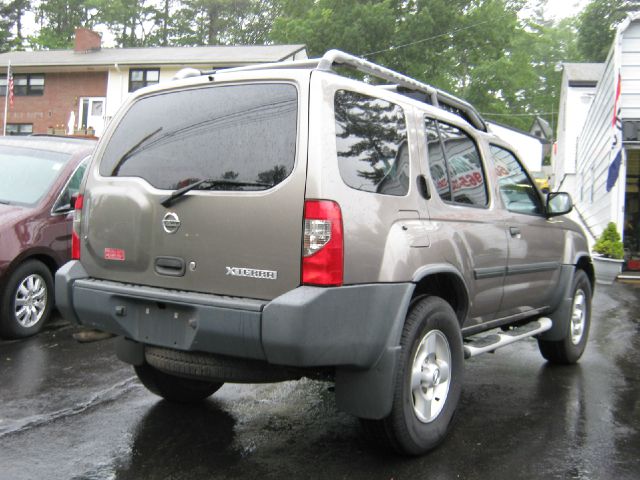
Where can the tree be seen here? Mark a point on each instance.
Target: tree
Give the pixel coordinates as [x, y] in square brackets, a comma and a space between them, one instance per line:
[58, 20]
[131, 22]
[359, 27]
[5, 27]
[11, 14]
[597, 23]
[224, 22]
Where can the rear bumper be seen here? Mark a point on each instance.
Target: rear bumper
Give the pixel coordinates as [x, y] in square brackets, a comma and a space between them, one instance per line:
[307, 327]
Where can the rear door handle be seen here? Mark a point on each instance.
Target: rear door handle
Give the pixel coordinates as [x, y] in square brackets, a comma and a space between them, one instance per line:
[515, 232]
[170, 266]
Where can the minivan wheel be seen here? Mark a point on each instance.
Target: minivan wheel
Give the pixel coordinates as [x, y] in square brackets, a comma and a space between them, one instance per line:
[428, 381]
[27, 300]
[174, 388]
[569, 349]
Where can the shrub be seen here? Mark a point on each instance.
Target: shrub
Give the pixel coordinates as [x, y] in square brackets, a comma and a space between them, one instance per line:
[609, 244]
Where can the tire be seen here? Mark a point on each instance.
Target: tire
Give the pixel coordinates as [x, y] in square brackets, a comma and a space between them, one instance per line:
[27, 300]
[215, 368]
[431, 347]
[173, 388]
[569, 349]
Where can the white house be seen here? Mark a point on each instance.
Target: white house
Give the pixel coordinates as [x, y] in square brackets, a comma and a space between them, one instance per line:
[599, 118]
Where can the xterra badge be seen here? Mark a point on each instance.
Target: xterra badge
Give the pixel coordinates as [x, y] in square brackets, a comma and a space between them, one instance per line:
[252, 273]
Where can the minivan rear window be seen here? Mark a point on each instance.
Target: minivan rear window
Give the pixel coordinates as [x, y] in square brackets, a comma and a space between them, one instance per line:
[242, 134]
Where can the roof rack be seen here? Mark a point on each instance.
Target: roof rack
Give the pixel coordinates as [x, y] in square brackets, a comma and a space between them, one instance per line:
[433, 96]
[437, 97]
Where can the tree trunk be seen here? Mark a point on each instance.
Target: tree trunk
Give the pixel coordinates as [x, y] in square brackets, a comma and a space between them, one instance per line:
[213, 12]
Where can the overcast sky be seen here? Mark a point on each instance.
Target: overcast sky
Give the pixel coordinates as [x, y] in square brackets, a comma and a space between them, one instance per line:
[564, 8]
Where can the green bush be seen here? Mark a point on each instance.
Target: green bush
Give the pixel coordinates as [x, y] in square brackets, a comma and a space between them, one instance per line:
[609, 243]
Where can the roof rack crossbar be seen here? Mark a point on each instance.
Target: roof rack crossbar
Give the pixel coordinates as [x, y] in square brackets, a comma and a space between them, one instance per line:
[437, 96]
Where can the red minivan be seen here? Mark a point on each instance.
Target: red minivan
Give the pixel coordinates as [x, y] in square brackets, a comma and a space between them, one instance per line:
[38, 177]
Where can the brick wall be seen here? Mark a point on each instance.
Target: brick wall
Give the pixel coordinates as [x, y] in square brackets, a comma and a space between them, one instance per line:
[62, 92]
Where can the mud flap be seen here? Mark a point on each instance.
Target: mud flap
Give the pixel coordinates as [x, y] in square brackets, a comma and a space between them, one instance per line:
[369, 393]
[129, 351]
[562, 314]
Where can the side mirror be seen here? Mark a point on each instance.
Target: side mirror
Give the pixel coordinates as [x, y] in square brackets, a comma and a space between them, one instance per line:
[558, 203]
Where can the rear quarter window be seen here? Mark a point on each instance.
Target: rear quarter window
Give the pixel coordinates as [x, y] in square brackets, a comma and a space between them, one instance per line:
[371, 143]
[241, 133]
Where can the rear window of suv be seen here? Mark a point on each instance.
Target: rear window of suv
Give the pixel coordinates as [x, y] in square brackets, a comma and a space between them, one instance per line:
[242, 134]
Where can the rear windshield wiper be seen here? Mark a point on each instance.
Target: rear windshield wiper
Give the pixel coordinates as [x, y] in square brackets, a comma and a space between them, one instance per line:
[209, 183]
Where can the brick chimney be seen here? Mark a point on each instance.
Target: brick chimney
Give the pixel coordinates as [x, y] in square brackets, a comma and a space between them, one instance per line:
[86, 41]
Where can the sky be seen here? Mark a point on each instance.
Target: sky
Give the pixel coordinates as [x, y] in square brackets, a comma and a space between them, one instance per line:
[559, 9]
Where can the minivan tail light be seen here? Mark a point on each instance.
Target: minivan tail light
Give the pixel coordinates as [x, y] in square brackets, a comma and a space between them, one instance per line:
[75, 230]
[323, 244]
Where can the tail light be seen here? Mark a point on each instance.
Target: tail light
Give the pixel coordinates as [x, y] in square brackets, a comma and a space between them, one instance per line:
[75, 231]
[323, 245]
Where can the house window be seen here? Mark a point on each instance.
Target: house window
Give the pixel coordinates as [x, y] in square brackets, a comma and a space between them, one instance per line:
[23, 84]
[142, 77]
[19, 128]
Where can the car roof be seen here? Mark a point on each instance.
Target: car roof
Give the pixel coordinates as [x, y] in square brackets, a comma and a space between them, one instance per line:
[59, 144]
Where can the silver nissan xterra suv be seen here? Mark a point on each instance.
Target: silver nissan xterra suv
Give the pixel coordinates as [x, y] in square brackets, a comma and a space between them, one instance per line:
[266, 223]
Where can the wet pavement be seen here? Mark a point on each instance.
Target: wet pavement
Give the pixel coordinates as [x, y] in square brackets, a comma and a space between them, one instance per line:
[71, 410]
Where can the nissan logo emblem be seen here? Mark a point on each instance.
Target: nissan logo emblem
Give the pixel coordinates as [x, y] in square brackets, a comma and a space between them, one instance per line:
[170, 222]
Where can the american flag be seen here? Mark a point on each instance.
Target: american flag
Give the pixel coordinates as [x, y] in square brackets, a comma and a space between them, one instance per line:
[617, 152]
[10, 87]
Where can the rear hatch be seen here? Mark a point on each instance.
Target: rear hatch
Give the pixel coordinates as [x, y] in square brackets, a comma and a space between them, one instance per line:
[237, 232]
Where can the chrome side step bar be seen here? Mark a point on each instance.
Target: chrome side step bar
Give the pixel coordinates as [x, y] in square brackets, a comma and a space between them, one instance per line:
[490, 341]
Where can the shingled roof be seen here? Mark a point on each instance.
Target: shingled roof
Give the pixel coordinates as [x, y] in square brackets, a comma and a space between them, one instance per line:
[218, 56]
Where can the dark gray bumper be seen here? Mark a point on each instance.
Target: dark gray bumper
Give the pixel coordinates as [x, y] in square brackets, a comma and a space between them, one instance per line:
[307, 327]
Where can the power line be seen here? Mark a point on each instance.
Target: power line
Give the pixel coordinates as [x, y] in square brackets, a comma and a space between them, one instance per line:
[447, 34]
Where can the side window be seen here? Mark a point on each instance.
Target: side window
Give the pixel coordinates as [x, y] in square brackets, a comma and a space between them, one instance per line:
[71, 188]
[455, 165]
[516, 189]
[371, 141]
[437, 164]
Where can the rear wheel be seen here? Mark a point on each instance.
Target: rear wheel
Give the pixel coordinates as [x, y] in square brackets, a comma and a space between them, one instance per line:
[569, 349]
[174, 388]
[27, 300]
[428, 381]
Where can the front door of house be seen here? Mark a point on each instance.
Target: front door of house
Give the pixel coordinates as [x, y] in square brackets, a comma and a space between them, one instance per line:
[91, 114]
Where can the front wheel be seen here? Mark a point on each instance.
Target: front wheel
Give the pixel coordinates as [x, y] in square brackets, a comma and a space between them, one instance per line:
[569, 349]
[174, 388]
[428, 381]
[27, 300]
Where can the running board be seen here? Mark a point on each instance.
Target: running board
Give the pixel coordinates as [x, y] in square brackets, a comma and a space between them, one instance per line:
[477, 344]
